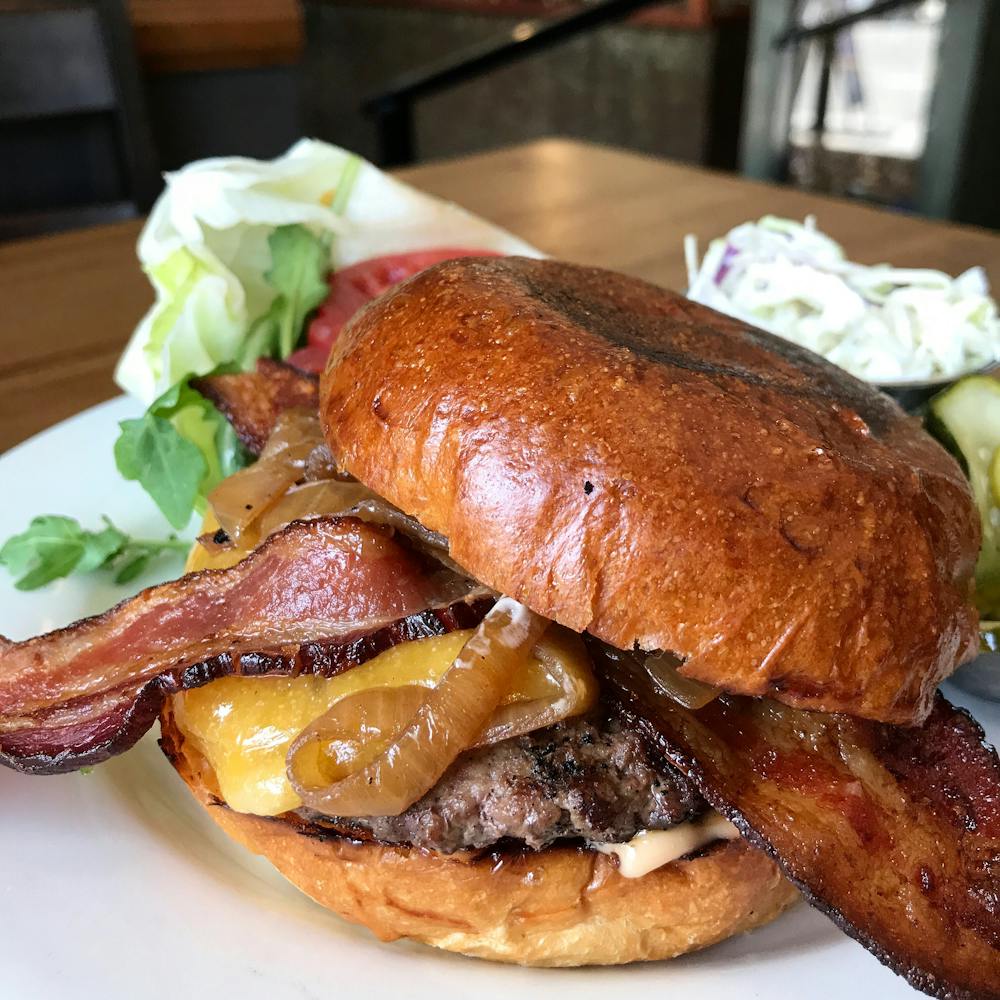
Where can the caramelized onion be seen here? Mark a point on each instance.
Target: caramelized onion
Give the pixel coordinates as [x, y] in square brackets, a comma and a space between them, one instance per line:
[574, 692]
[321, 465]
[352, 733]
[241, 499]
[375, 510]
[446, 720]
[555, 682]
[258, 500]
[662, 670]
[294, 429]
[321, 498]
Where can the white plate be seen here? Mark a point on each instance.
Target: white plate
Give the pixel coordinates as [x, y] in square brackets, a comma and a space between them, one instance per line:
[115, 885]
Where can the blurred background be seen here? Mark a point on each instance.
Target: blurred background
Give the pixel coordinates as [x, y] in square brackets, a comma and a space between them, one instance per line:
[889, 101]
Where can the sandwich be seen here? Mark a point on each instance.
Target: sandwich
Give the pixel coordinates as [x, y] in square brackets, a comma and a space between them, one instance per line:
[564, 621]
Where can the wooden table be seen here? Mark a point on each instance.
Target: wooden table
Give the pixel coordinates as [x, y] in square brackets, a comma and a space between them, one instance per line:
[68, 303]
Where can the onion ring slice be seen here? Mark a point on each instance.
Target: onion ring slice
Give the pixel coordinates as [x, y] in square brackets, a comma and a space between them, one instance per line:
[447, 719]
[575, 692]
[352, 733]
[686, 691]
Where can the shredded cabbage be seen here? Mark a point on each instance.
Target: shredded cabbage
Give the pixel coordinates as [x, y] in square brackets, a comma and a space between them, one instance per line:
[884, 324]
[205, 248]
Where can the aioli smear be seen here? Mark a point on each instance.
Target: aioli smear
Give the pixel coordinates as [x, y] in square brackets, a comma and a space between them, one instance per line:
[652, 849]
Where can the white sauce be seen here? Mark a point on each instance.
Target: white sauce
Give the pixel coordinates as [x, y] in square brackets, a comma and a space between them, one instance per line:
[651, 849]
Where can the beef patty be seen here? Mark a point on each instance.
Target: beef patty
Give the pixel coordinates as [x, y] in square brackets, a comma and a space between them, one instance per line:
[585, 778]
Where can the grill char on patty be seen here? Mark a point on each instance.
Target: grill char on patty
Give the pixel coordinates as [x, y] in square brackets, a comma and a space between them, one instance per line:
[584, 779]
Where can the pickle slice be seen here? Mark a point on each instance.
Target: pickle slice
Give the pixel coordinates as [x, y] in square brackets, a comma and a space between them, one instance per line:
[966, 418]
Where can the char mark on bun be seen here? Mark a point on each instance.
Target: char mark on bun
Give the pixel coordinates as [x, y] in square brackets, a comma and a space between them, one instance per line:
[814, 546]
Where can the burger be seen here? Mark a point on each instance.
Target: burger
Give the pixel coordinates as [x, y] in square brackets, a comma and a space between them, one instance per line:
[567, 622]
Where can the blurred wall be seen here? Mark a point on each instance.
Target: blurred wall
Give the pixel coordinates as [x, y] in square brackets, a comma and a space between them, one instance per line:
[646, 88]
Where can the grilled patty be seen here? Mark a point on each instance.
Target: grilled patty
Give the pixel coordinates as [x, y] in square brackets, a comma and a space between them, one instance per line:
[582, 779]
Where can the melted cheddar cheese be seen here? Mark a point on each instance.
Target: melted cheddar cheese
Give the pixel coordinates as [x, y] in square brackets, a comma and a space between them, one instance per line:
[244, 725]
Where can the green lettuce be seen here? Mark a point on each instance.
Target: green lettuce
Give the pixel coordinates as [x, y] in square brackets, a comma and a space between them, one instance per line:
[214, 244]
[200, 324]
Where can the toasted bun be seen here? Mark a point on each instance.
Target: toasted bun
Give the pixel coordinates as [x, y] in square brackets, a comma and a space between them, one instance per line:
[560, 906]
[632, 464]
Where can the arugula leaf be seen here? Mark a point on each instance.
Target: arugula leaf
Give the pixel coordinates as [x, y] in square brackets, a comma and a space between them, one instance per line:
[168, 467]
[262, 338]
[133, 568]
[99, 546]
[299, 265]
[50, 548]
[300, 262]
[54, 546]
[179, 450]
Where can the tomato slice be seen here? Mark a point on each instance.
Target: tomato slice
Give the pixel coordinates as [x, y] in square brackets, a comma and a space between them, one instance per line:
[351, 287]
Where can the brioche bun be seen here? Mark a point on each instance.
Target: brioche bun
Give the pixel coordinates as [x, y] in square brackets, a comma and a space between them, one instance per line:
[558, 907]
[629, 463]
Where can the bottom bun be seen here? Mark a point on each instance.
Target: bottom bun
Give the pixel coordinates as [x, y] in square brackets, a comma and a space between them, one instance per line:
[563, 906]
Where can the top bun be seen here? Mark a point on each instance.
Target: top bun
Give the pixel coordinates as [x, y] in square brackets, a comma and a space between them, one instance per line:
[627, 462]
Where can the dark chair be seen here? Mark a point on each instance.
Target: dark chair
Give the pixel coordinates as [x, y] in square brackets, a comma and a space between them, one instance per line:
[75, 146]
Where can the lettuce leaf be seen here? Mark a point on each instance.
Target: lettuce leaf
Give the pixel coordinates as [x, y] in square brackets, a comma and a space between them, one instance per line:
[239, 252]
[208, 250]
[182, 447]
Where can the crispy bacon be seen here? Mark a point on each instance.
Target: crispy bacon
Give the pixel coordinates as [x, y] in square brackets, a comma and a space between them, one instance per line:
[251, 401]
[318, 597]
[894, 832]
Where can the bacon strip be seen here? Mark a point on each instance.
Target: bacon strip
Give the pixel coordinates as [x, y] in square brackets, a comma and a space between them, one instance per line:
[318, 597]
[894, 832]
[251, 401]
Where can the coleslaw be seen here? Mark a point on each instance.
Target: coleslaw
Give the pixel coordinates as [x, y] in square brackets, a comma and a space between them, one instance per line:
[883, 324]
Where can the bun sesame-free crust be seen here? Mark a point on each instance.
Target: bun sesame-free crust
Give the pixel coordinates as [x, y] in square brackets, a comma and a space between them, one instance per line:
[562, 906]
[632, 464]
